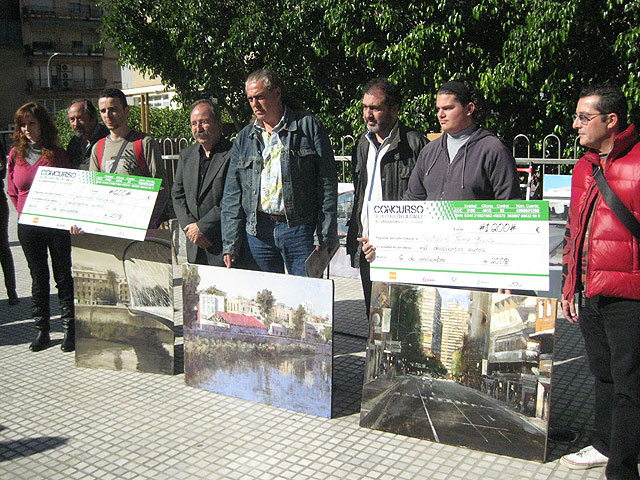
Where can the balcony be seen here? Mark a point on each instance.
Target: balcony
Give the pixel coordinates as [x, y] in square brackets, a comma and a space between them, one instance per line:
[75, 49]
[82, 12]
[61, 85]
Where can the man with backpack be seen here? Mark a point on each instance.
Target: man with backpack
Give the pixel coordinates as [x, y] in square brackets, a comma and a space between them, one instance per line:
[126, 151]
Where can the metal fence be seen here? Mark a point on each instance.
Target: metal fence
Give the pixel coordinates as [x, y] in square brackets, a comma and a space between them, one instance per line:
[532, 163]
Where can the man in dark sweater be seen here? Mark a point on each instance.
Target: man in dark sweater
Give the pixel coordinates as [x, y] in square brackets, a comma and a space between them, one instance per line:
[382, 162]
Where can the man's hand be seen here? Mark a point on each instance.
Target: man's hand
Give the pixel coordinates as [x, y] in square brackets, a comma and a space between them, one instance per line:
[368, 249]
[192, 231]
[194, 235]
[569, 310]
[229, 259]
[75, 230]
[202, 241]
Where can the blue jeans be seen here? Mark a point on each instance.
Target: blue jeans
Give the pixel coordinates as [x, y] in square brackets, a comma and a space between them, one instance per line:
[611, 330]
[277, 245]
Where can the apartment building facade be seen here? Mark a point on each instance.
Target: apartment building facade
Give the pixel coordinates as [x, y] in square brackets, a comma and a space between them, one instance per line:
[50, 53]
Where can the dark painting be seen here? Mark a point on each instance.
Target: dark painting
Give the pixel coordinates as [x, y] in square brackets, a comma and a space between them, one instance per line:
[124, 302]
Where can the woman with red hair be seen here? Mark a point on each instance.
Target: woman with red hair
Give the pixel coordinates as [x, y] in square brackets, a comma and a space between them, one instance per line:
[35, 145]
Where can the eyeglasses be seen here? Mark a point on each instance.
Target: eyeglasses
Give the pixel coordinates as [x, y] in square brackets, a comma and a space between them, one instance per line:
[585, 118]
[204, 123]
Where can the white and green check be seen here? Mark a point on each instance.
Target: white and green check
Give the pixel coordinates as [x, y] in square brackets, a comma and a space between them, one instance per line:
[101, 203]
[481, 244]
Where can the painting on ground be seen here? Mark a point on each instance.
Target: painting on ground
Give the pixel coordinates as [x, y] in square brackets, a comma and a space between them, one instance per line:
[124, 302]
[557, 190]
[464, 368]
[259, 336]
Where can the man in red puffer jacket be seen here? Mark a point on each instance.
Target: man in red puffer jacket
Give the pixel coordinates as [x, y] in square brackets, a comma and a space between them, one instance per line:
[601, 272]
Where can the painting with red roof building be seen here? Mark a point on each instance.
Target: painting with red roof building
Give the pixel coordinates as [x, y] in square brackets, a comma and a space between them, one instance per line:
[260, 336]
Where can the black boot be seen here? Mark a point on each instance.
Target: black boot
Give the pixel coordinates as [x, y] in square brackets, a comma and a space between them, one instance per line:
[41, 342]
[13, 298]
[69, 328]
[69, 342]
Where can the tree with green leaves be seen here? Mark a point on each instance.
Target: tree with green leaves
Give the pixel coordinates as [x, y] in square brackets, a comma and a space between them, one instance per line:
[163, 123]
[528, 57]
[190, 296]
[214, 291]
[299, 319]
[265, 301]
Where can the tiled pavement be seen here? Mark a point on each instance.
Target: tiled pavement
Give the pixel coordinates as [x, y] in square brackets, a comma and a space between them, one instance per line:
[62, 422]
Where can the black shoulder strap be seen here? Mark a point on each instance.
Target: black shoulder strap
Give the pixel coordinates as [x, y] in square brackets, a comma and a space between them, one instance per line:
[616, 205]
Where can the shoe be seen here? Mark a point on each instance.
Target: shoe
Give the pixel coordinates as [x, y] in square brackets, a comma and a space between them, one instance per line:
[14, 300]
[586, 458]
[41, 342]
[69, 342]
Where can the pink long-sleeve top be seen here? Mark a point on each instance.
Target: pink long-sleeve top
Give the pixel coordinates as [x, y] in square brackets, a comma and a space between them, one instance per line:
[20, 175]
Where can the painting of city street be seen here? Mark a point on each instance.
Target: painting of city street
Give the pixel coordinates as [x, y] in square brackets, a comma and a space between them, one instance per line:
[464, 368]
[124, 302]
[259, 336]
[557, 190]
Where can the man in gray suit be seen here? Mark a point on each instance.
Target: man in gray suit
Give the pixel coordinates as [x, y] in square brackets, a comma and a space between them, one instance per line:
[199, 184]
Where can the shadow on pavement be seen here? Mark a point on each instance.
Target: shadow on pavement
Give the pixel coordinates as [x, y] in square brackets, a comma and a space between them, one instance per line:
[571, 416]
[348, 370]
[10, 450]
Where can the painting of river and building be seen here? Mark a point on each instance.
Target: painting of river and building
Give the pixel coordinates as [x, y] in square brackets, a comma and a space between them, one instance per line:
[259, 336]
[464, 368]
[124, 302]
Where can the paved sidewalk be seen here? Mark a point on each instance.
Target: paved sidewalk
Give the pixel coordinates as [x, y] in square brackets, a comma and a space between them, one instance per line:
[62, 422]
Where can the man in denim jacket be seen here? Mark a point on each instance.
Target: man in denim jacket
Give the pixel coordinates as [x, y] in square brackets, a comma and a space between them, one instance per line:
[282, 187]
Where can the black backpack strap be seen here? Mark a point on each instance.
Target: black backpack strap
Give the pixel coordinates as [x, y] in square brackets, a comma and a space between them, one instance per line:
[616, 205]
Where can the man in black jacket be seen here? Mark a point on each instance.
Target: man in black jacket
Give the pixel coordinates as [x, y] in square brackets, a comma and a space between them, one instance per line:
[382, 162]
[199, 183]
[83, 118]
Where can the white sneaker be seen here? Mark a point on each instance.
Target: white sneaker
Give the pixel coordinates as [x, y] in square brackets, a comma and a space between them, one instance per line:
[588, 457]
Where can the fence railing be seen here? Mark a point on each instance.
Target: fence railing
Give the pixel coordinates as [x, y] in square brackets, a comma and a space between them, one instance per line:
[548, 159]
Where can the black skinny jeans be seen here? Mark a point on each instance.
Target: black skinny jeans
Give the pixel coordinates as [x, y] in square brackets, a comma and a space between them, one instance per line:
[35, 242]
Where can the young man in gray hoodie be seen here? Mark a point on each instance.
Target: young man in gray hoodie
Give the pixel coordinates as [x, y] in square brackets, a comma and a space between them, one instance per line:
[467, 162]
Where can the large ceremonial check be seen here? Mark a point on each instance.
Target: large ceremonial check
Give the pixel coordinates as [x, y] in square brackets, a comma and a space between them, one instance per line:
[102, 203]
[484, 244]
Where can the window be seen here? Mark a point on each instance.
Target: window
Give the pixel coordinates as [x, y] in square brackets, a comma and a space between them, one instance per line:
[83, 75]
[52, 105]
[159, 100]
[43, 40]
[41, 5]
[79, 9]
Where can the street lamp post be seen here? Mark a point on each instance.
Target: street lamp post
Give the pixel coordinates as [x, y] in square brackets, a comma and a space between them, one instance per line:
[49, 69]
